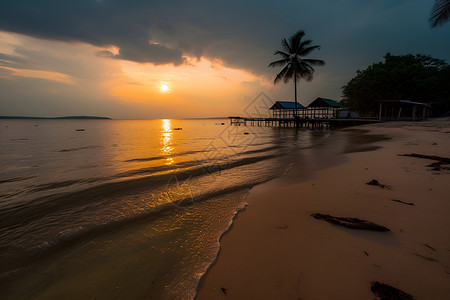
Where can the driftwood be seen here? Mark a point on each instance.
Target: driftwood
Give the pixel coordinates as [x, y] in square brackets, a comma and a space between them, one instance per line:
[352, 223]
[426, 257]
[387, 292]
[429, 247]
[402, 202]
[436, 166]
[444, 160]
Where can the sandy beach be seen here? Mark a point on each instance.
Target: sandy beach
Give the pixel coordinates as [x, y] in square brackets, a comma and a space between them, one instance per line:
[277, 250]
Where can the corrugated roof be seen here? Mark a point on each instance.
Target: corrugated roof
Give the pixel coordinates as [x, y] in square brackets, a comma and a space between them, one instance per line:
[324, 102]
[286, 105]
[404, 101]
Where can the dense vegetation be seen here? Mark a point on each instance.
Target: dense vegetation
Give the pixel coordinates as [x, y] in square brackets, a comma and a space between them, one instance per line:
[408, 77]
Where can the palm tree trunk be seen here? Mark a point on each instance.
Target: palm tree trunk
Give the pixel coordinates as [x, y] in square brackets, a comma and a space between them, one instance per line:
[296, 105]
[295, 89]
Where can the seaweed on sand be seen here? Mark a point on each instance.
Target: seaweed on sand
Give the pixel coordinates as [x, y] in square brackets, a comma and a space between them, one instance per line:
[352, 223]
[436, 166]
[387, 292]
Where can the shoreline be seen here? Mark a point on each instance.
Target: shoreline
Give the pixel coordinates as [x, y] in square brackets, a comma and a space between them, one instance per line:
[275, 249]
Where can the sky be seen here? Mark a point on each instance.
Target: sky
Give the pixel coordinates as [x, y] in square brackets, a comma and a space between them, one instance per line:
[140, 59]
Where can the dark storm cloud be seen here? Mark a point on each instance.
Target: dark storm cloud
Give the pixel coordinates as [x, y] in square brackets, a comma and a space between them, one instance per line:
[101, 23]
[243, 34]
[151, 31]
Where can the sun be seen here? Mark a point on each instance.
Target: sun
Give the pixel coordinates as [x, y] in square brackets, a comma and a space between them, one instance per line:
[164, 88]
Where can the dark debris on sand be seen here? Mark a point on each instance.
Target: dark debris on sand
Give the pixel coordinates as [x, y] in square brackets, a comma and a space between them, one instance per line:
[352, 223]
[403, 202]
[436, 166]
[387, 292]
[376, 183]
[283, 227]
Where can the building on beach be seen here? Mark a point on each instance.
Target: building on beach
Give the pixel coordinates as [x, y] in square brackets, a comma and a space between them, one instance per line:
[323, 108]
[404, 110]
[320, 108]
[286, 109]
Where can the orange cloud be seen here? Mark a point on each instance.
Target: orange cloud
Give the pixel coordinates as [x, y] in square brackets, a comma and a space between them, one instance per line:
[39, 74]
[197, 88]
[197, 79]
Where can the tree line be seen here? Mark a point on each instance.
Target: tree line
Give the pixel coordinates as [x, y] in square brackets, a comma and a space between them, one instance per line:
[418, 78]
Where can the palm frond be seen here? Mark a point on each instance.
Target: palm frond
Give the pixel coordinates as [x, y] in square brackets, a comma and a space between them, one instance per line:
[440, 13]
[278, 63]
[308, 77]
[303, 44]
[314, 62]
[307, 71]
[281, 75]
[282, 54]
[290, 73]
[308, 50]
[286, 46]
[296, 39]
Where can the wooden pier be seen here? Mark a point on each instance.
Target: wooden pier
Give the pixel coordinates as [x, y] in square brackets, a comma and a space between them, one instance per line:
[310, 123]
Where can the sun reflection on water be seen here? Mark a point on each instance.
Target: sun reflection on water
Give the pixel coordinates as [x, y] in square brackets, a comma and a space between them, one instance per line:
[167, 140]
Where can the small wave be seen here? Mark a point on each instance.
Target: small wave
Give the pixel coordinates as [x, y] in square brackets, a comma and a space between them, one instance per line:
[15, 179]
[77, 149]
[160, 157]
[54, 185]
[262, 150]
[40, 207]
[78, 234]
[155, 169]
[20, 258]
[288, 168]
[144, 159]
[10, 195]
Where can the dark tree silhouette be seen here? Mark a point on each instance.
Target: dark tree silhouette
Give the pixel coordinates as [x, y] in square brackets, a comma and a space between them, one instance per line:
[294, 65]
[419, 78]
[440, 13]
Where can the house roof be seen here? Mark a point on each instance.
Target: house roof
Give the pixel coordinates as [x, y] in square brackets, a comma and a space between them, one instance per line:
[324, 102]
[286, 105]
[404, 101]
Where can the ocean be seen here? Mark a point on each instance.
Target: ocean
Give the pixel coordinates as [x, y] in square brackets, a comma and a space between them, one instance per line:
[133, 209]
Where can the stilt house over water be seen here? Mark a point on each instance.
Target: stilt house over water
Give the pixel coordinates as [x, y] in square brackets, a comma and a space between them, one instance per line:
[323, 108]
[320, 108]
[286, 109]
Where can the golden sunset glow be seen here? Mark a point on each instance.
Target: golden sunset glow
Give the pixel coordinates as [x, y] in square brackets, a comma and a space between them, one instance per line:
[203, 83]
[164, 88]
[167, 140]
[199, 87]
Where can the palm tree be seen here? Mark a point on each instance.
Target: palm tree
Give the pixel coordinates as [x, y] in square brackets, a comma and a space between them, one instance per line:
[440, 13]
[295, 66]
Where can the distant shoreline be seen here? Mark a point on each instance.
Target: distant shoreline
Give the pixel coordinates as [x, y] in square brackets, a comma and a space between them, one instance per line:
[98, 118]
[56, 118]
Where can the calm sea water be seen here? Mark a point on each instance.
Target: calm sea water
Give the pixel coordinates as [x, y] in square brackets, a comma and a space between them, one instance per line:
[130, 209]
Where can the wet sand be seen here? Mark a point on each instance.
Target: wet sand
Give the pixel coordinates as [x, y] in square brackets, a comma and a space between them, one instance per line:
[277, 250]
